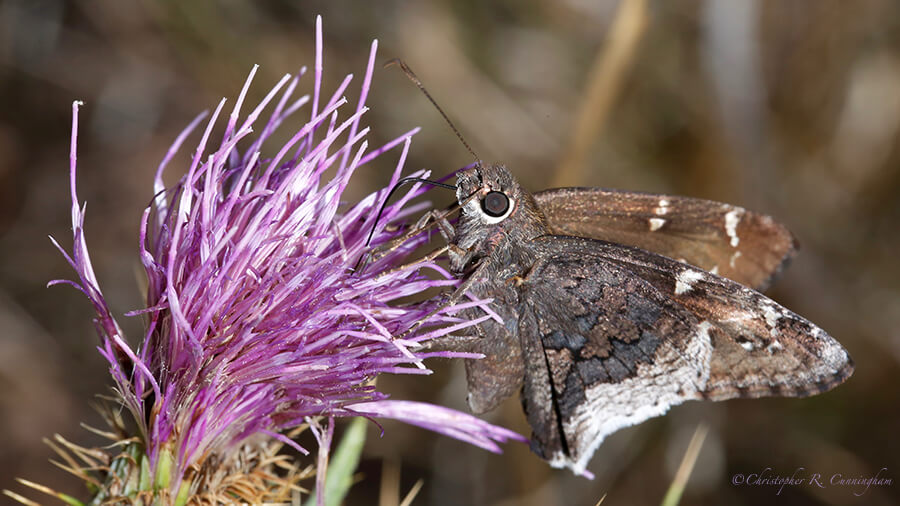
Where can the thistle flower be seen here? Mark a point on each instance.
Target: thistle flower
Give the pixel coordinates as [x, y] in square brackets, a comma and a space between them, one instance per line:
[257, 322]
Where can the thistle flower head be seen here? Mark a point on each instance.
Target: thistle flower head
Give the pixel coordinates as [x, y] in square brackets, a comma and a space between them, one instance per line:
[257, 321]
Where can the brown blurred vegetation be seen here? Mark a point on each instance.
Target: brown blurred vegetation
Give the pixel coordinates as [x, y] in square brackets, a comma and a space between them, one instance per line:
[791, 108]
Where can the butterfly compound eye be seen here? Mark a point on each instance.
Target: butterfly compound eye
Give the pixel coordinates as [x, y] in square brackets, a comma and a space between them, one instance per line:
[495, 204]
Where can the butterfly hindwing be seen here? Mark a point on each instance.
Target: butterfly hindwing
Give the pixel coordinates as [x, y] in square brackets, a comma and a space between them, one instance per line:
[741, 245]
[498, 375]
[627, 334]
[607, 352]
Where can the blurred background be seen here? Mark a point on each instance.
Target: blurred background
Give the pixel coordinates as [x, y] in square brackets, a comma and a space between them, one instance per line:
[789, 108]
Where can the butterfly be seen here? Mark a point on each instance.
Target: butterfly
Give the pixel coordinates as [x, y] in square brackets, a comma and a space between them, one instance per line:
[614, 306]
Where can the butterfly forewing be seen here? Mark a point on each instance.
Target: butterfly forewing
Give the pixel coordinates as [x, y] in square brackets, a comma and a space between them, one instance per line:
[741, 245]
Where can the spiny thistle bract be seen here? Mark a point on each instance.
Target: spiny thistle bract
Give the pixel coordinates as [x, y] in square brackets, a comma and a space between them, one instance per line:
[256, 320]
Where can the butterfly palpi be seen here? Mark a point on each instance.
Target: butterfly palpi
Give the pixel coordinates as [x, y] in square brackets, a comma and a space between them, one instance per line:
[615, 306]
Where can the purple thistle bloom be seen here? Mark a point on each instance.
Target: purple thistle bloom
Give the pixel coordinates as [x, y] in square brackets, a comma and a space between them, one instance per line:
[257, 321]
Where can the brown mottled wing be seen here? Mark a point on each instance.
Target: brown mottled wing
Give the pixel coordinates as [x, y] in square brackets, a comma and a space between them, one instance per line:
[760, 347]
[603, 350]
[614, 335]
[498, 376]
[741, 245]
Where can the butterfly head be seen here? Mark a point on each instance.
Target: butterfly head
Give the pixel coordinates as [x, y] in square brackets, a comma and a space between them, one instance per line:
[496, 211]
[488, 193]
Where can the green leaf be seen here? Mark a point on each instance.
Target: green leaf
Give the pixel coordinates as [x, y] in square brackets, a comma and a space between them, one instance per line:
[343, 463]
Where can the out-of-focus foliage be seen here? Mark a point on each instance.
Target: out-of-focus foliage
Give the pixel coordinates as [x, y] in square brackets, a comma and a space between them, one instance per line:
[791, 108]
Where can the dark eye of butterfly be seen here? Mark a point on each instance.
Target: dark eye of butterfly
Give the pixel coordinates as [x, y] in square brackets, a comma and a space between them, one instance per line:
[495, 204]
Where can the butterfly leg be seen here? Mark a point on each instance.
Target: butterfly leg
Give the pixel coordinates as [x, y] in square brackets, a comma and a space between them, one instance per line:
[451, 342]
[454, 297]
[427, 221]
[419, 261]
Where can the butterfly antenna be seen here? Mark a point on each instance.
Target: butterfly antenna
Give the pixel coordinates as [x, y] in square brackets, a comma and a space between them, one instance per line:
[400, 183]
[412, 77]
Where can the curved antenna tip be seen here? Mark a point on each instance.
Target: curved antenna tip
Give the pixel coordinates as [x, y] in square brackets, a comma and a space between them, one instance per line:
[415, 79]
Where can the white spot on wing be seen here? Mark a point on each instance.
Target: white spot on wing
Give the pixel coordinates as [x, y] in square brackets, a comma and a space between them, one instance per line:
[685, 280]
[662, 208]
[774, 346]
[772, 315]
[732, 218]
[715, 269]
[702, 348]
[747, 345]
[734, 256]
[656, 224]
